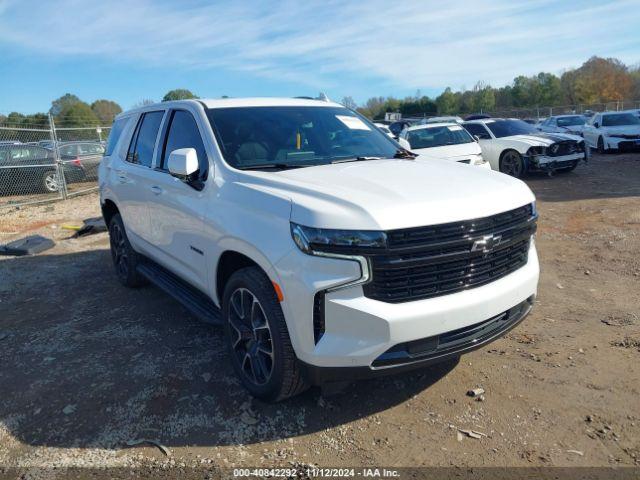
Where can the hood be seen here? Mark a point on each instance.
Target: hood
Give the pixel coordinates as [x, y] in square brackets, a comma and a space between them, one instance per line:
[390, 194]
[623, 129]
[544, 139]
[449, 152]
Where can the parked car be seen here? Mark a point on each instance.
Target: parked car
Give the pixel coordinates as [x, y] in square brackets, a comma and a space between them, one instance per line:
[450, 119]
[384, 128]
[397, 127]
[613, 131]
[514, 147]
[31, 168]
[635, 112]
[476, 116]
[325, 251]
[446, 141]
[89, 154]
[571, 124]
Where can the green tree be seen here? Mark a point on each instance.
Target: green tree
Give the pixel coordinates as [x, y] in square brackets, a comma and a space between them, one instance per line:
[349, 102]
[178, 94]
[448, 103]
[58, 104]
[105, 110]
[77, 115]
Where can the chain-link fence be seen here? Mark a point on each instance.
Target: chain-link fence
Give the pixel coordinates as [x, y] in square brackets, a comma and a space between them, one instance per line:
[543, 112]
[40, 163]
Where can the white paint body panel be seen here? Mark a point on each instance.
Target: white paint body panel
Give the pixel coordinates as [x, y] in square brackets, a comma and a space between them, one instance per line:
[250, 212]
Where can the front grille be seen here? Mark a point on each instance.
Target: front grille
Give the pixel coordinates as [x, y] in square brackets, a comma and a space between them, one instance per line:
[426, 262]
[563, 148]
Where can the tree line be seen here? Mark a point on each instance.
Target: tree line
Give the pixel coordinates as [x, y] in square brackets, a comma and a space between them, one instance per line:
[598, 80]
[70, 111]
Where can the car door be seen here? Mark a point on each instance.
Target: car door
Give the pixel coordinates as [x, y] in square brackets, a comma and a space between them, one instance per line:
[490, 152]
[590, 132]
[132, 178]
[177, 207]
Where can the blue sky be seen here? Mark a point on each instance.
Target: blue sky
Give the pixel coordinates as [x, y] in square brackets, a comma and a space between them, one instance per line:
[131, 50]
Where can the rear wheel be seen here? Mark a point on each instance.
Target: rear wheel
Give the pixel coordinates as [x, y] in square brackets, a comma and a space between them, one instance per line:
[257, 337]
[125, 259]
[513, 164]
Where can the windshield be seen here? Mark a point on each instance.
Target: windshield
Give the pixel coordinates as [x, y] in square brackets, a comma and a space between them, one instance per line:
[619, 119]
[298, 136]
[570, 121]
[438, 136]
[507, 128]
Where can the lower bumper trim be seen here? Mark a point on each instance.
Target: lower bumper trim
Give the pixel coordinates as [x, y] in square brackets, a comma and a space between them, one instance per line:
[409, 356]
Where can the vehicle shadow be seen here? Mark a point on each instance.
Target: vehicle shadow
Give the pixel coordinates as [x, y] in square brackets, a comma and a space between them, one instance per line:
[85, 362]
[613, 175]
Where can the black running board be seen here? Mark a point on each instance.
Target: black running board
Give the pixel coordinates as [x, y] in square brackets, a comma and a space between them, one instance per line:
[191, 298]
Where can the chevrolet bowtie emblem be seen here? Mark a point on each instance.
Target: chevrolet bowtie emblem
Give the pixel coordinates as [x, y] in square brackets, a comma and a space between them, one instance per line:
[486, 244]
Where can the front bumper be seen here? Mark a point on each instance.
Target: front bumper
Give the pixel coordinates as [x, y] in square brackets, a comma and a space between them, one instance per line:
[358, 329]
[425, 352]
[546, 163]
[623, 144]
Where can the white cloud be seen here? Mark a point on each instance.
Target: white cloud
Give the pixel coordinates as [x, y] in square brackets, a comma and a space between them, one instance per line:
[410, 44]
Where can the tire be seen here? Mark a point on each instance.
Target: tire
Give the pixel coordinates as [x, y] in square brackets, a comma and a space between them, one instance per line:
[512, 163]
[125, 259]
[49, 182]
[600, 147]
[258, 339]
[568, 169]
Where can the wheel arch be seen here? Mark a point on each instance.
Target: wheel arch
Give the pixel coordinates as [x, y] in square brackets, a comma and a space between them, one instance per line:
[109, 209]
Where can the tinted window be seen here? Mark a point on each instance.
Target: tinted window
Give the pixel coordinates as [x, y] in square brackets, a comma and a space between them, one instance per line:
[144, 139]
[114, 134]
[296, 136]
[477, 129]
[68, 150]
[570, 121]
[619, 119]
[90, 149]
[438, 136]
[508, 128]
[183, 133]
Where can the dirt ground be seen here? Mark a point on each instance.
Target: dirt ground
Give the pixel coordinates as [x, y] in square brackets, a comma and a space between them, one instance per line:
[88, 366]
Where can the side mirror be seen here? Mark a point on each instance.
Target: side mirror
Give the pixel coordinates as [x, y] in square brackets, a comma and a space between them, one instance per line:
[183, 163]
[404, 143]
[596, 124]
[476, 138]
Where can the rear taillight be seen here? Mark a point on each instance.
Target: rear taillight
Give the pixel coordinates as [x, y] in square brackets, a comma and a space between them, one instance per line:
[77, 162]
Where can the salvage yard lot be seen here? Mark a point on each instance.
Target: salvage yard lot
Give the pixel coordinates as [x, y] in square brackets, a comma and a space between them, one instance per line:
[87, 365]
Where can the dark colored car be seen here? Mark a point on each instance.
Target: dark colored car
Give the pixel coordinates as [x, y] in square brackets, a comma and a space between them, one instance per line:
[32, 168]
[397, 127]
[89, 154]
[476, 116]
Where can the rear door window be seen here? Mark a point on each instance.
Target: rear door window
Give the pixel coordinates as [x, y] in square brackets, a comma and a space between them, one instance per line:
[144, 139]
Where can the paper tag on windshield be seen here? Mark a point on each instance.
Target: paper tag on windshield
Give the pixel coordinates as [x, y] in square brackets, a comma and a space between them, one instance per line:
[353, 123]
[453, 128]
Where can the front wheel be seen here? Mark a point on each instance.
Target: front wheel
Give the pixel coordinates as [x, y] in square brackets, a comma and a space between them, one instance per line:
[257, 337]
[601, 148]
[513, 164]
[50, 182]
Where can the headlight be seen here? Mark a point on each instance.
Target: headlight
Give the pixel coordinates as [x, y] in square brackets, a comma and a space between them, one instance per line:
[312, 240]
[534, 209]
[536, 151]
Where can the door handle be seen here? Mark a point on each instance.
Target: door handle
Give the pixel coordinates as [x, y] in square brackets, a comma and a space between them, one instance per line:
[156, 190]
[122, 175]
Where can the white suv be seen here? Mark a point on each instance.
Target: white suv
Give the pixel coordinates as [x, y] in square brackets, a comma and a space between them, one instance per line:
[326, 252]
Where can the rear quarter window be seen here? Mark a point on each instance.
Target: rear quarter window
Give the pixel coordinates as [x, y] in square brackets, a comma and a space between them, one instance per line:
[114, 135]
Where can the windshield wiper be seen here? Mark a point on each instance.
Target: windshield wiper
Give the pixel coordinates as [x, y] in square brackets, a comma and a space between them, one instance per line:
[276, 166]
[403, 153]
[355, 159]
